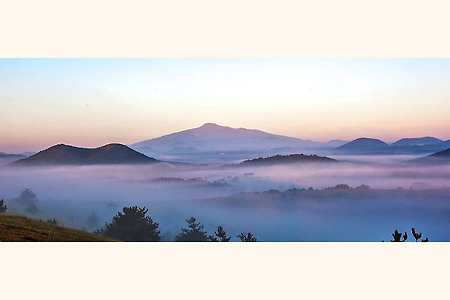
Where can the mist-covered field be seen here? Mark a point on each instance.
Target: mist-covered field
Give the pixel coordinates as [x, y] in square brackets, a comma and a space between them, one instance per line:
[295, 202]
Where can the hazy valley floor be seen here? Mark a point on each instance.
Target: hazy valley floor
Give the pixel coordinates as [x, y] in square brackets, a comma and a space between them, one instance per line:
[400, 197]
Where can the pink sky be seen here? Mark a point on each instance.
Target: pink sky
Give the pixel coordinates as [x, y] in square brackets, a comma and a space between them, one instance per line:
[91, 102]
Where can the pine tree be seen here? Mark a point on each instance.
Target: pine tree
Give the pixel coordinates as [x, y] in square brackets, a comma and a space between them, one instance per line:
[220, 236]
[132, 226]
[28, 198]
[247, 237]
[195, 232]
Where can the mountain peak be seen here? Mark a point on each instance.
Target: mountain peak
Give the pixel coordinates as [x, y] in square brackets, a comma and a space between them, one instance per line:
[210, 125]
[213, 137]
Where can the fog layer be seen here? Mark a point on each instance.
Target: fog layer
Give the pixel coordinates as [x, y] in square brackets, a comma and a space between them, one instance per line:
[234, 197]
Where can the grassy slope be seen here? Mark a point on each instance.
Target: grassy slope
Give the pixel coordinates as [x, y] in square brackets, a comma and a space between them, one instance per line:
[14, 228]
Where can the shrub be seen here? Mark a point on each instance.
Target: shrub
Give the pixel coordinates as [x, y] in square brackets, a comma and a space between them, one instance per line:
[3, 207]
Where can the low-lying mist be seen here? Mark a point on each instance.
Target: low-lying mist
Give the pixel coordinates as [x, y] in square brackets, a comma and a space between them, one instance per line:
[237, 198]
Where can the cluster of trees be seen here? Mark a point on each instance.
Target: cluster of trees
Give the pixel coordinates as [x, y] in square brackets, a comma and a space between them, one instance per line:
[399, 237]
[341, 186]
[133, 224]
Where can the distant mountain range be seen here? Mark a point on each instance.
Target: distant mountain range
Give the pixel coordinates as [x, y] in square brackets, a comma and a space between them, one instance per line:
[8, 158]
[220, 143]
[417, 141]
[415, 146]
[287, 159]
[212, 143]
[69, 155]
[5, 155]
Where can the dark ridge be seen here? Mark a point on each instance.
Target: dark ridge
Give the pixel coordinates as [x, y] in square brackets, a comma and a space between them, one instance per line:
[441, 154]
[441, 157]
[287, 159]
[69, 155]
[364, 144]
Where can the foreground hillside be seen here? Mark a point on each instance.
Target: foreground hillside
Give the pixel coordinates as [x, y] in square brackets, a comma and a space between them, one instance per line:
[15, 228]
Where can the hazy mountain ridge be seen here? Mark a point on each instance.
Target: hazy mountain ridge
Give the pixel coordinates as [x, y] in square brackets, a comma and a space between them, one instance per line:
[69, 155]
[4, 155]
[213, 137]
[428, 140]
[9, 158]
[416, 146]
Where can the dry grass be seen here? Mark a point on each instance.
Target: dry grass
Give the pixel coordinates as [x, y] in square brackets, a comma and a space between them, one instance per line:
[14, 228]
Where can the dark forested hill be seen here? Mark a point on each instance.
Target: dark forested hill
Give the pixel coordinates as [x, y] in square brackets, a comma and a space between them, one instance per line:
[287, 159]
[69, 155]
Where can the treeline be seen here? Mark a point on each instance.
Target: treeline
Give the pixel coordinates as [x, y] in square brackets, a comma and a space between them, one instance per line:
[134, 225]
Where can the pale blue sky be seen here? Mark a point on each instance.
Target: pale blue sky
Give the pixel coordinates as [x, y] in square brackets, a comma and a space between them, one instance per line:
[91, 102]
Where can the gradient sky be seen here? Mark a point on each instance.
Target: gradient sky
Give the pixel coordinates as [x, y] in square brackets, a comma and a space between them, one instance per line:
[92, 102]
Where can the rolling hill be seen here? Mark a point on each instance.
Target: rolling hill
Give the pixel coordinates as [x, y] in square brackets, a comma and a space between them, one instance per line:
[69, 155]
[364, 146]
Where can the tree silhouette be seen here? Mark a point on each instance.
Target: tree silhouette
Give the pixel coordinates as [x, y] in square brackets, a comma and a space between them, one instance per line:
[132, 226]
[247, 237]
[195, 232]
[220, 236]
[417, 236]
[3, 208]
[28, 199]
[397, 236]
